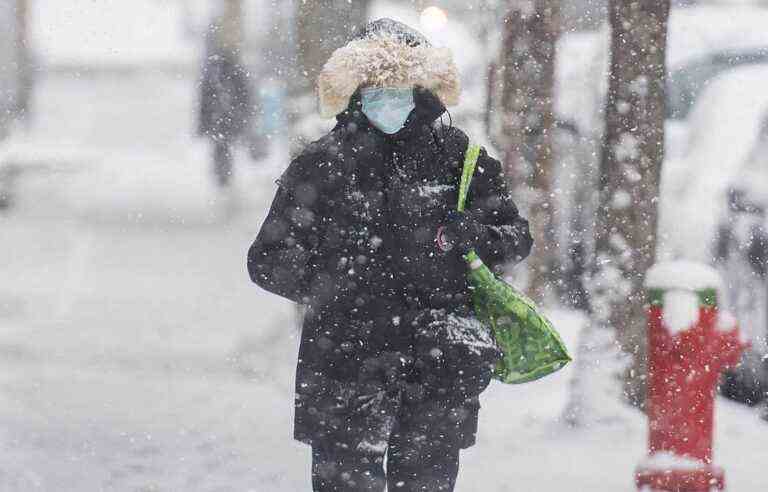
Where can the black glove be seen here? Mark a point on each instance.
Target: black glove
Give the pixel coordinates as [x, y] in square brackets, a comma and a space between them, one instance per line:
[461, 231]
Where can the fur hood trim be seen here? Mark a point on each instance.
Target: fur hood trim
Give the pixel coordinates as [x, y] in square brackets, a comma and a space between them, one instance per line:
[385, 61]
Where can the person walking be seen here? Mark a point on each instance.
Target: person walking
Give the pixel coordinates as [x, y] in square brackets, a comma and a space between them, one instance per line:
[363, 231]
[225, 95]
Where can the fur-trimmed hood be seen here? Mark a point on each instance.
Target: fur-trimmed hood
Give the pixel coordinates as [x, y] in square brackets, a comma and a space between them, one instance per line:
[387, 54]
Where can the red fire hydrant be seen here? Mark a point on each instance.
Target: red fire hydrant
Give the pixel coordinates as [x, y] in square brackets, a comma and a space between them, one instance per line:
[689, 343]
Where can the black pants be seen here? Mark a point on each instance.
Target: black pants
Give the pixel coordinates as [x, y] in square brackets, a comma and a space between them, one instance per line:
[414, 463]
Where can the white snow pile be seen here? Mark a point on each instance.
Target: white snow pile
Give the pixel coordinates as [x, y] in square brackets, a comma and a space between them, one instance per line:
[581, 60]
[668, 461]
[731, 109]
[692, 34]
[682, 275]
[595, 394]
[726, 321]
[681, 310]
[680, 280]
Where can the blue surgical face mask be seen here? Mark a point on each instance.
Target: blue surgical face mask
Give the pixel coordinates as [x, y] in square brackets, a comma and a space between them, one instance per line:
[387, 108]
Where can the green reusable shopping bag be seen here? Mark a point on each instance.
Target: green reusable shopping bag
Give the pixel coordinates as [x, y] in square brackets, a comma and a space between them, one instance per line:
[530, 345]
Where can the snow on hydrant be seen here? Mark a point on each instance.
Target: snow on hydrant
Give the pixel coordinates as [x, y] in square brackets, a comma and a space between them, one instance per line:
[690, 342]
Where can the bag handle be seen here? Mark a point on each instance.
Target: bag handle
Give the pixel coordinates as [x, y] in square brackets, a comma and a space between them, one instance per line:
[468, 171]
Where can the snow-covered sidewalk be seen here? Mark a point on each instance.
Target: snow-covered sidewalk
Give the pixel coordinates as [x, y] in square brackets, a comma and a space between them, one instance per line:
[90, 421]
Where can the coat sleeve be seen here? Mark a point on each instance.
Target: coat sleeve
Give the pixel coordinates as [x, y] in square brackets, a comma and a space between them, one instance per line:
[280, 259]
[504, 234]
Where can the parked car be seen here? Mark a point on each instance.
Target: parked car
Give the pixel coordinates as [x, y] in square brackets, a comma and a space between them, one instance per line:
[723, 130]
[741, 250]
[714, 199]
[685, 83]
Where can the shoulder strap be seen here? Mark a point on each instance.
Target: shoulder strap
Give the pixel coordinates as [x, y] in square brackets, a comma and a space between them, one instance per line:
[470, 162]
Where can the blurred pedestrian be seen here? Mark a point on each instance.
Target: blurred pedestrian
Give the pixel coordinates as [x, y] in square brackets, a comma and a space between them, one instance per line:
[363, 231]
[225, 100]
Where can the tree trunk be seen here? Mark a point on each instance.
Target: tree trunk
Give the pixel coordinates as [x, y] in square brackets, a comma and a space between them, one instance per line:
[528, 122]
[612, 347]
[24, 92]
[8, 58]
[322, 26]
[230, 29]
[584, 14]
[633, 151]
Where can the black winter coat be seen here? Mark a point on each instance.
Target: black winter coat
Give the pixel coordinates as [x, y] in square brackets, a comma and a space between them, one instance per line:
[390, 335]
